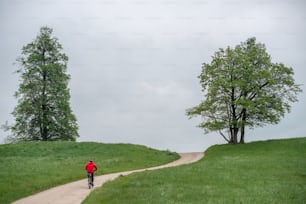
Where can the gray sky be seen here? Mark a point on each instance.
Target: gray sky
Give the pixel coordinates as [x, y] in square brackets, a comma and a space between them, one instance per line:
[134, 63]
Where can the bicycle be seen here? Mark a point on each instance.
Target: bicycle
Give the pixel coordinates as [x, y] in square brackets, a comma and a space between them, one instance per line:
[90, 180]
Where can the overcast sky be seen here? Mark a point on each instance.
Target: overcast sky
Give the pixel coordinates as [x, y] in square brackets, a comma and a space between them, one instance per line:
[134, 63]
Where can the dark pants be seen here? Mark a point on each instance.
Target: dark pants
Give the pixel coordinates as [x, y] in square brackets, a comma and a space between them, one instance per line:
[91, 175]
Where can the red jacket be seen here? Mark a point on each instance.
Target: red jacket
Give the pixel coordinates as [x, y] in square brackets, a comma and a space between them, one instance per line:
[91, 167]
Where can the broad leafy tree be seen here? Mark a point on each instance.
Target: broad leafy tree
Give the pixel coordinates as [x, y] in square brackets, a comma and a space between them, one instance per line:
[243, 88]
[43, 111]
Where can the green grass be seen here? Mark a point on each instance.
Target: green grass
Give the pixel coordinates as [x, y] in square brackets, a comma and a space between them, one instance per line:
[27, 168]
[260, 172]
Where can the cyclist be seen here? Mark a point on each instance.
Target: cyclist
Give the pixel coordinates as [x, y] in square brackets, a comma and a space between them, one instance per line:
[91, 167]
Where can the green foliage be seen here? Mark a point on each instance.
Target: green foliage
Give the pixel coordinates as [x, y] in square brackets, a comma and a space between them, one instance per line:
[29, 167]
[43, 111]
[243, 88]
[259, 172]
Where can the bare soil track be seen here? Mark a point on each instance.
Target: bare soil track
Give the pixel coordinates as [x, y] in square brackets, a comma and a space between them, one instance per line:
[77, 191]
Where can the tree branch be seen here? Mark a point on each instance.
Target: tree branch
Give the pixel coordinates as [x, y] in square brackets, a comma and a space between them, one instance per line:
[223, 136]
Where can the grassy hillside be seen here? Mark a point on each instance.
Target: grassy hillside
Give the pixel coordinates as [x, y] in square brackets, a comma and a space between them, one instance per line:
[259, 172]
[27, 168]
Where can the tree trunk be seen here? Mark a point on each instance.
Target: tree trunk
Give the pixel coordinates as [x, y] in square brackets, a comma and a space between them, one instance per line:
[243, 119]
[242, 134]
[44, 131]
[44, 135]
[234, 135]
[231, 141]
[236, 130]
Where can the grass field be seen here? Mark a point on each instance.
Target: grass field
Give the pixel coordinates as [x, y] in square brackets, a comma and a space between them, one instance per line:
[260, 172]
[27, 168]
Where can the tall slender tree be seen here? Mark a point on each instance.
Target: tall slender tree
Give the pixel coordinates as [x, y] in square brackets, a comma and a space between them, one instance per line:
[43, 111]
[243, 88]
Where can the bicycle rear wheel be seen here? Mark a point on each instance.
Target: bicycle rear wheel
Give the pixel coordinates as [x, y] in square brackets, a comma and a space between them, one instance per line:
[90, 183]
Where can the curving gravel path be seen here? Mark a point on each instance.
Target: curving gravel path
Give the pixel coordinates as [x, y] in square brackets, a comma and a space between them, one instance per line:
[77, 191]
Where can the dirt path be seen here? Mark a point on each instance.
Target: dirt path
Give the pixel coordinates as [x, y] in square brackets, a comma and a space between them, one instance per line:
[77, 191]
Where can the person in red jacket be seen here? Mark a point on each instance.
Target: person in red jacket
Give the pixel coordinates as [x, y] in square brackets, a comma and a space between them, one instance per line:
[91, 167]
